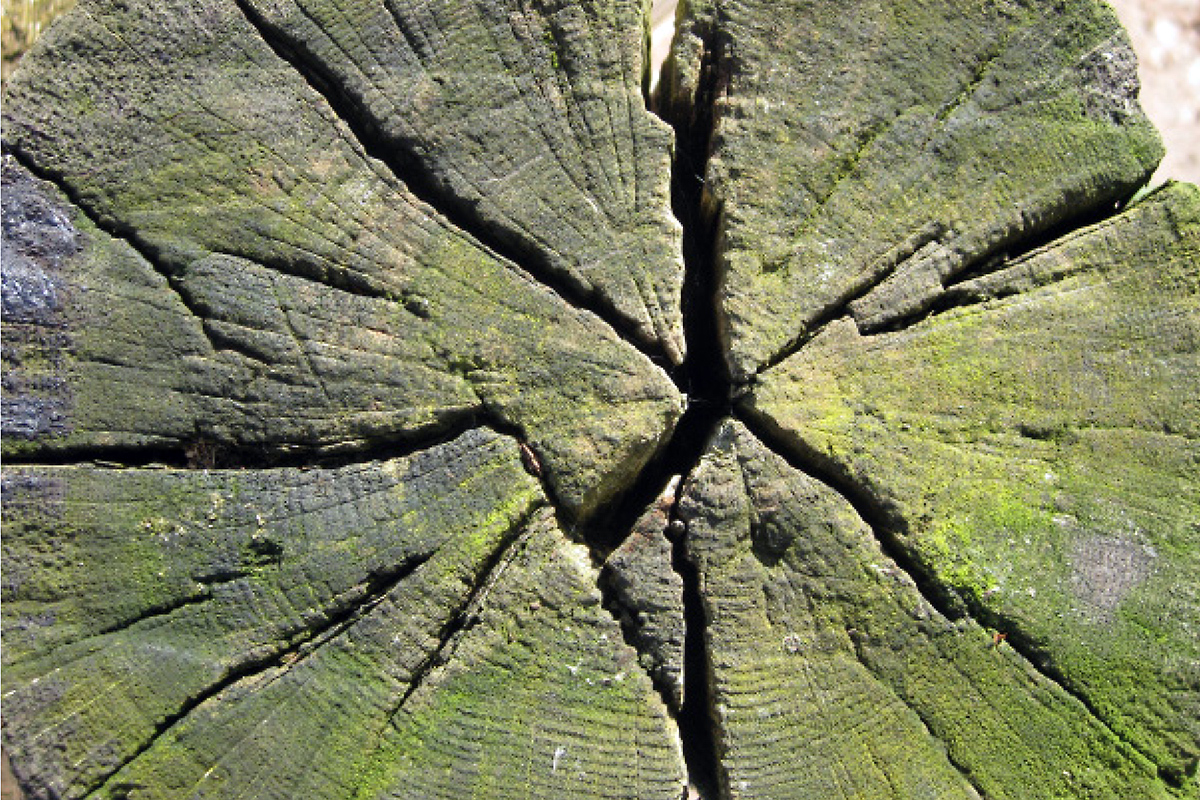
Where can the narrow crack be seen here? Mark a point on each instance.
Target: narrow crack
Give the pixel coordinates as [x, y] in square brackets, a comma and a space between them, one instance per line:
[461, 620]
[885, 267]
[962, 769]
[160, 610]
[952, 295]
[977, 77]
[343, 612]
[203, 452]
[1000, 257]
[347, 281]
[173, 275]
[888, 526]
[467, 614]
[405, 165]
[1071, 217]
[697, 719]
[128, 237]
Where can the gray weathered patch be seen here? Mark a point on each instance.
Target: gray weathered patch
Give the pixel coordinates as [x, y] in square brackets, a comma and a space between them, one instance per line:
[1106, 570]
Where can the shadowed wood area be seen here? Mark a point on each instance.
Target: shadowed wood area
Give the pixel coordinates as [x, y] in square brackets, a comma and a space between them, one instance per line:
[413, 399]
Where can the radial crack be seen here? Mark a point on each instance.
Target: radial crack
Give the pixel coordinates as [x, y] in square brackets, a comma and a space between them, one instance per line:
[956, 291]
[341, 613]
[168, 275]
[697, 719]
[405, 166]
[202, 452]
[962, 769]
[463, 617]
[888, 525]
[349, 282]
[884, 268]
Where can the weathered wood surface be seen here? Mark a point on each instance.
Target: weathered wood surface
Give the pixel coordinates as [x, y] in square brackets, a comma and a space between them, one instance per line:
[373, 429]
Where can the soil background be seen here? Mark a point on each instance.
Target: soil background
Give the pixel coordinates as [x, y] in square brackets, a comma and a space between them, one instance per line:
[1165, 35]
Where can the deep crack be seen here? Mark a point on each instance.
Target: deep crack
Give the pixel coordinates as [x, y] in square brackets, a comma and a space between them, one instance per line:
[204, 452]
[888, 526]
[405, 166]
[706, 379]
[697, 718]
[357, 602]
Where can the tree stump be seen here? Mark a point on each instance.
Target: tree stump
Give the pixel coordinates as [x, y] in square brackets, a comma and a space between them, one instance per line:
[396, 406]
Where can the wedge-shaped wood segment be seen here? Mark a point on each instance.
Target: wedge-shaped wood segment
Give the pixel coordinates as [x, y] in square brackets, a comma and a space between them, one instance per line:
[865, 141]
[1038, 450]
[649, 593]
[228, 156]
[101, 352]
[541, 697]
[177, 632]
[525, 120]
[816, 636]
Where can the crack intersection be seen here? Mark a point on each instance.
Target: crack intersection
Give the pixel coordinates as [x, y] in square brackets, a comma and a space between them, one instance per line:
[704, 377]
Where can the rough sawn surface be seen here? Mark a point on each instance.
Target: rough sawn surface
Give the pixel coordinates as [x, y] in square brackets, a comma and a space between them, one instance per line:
[374, 428]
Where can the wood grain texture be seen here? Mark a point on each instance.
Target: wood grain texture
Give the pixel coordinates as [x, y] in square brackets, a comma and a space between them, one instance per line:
[396, 406]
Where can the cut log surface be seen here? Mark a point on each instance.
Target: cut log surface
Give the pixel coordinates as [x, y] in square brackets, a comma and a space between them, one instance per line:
[399, 403]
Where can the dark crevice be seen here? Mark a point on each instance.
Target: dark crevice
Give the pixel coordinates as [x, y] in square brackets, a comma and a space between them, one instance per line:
[697, 718]
[464, 616]
[162, 610]
[346, 609]
[705, 373]
[706, 379]
[654, 486]
[404, 164]
[954, 294]
[605, 532]
[203, 451]
[962, 769]
[1083, 215]
[704, 376]
[890, 528]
